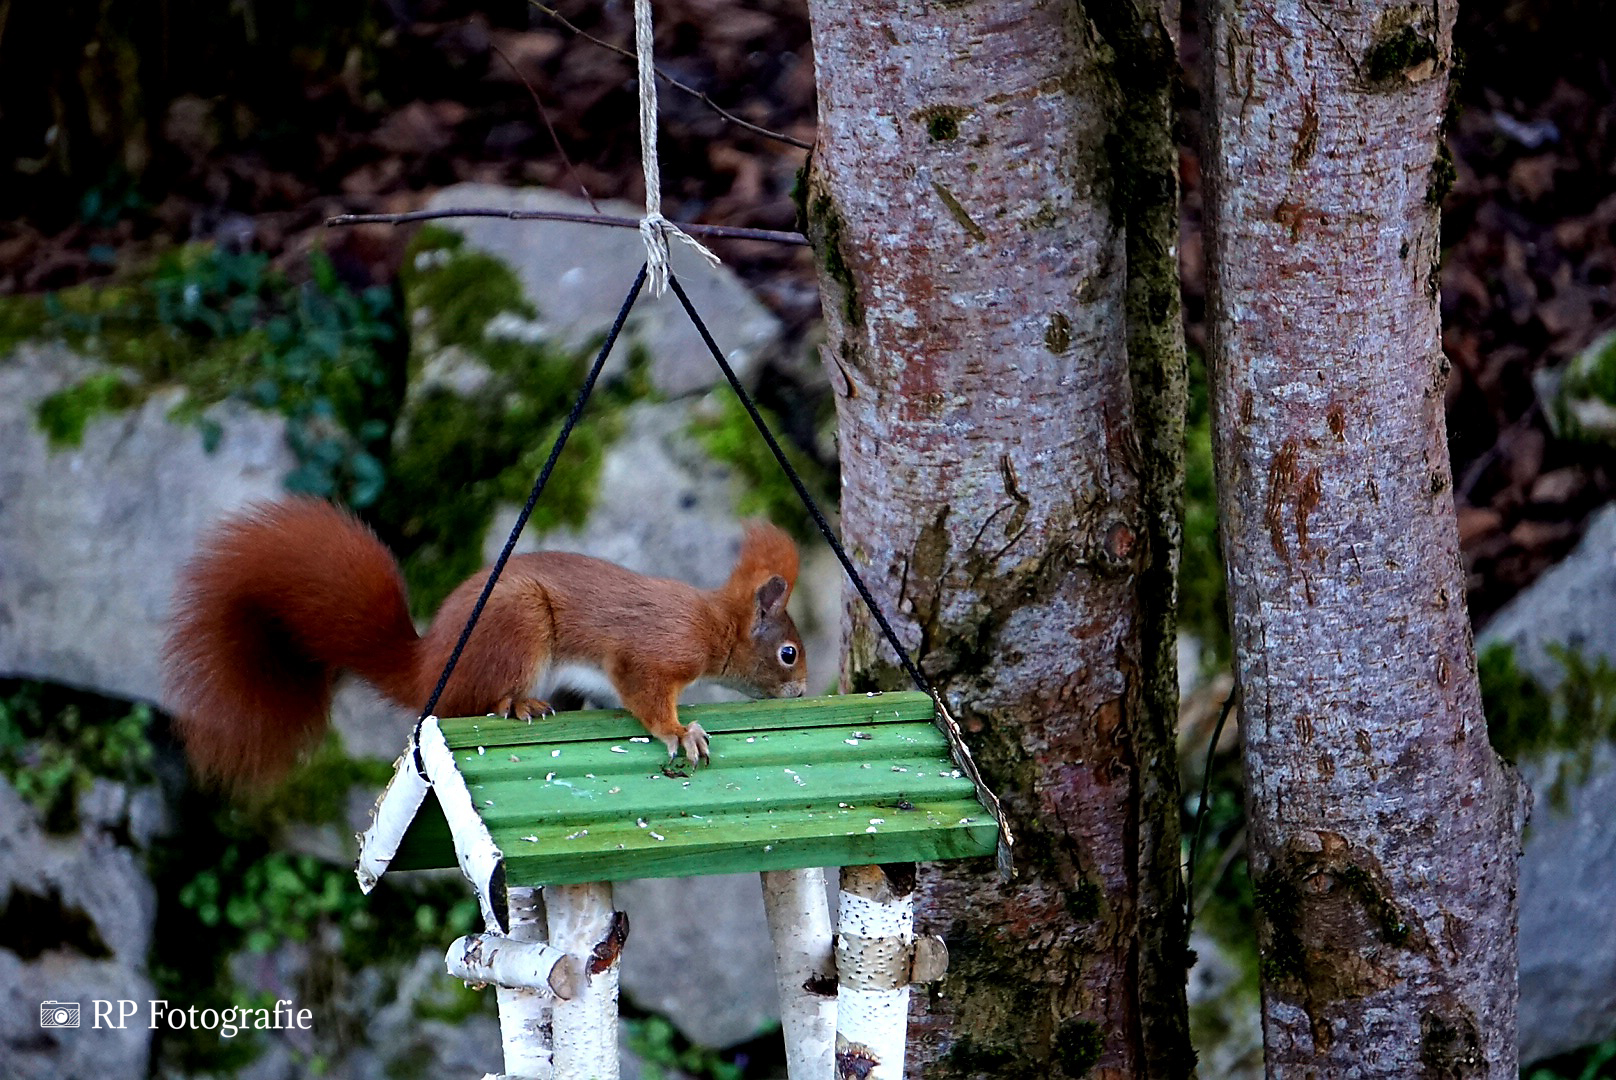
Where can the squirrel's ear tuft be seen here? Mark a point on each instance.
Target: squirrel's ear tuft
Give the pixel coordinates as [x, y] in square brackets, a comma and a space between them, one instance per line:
[771, 598]
[767, 550]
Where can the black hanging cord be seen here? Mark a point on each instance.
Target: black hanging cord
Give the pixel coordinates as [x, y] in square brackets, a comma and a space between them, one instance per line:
[825, 530]
[533, 496]
[950, 728]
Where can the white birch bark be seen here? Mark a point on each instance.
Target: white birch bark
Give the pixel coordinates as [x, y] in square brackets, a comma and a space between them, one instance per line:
[1383, 830]
[390, 820]
[797, 908]
[524, 1003]
[584, 1029]
[875, 935]
[478, 856]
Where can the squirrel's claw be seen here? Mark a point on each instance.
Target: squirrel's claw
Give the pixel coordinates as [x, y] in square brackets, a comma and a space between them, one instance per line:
[693, 741]
[695, 745]
[524, 708]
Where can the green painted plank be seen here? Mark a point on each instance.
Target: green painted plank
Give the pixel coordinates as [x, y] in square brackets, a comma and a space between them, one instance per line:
[730, 843]
[427, 844]
[955, 830]
[871, 744]
[766, 715]
[604, 798]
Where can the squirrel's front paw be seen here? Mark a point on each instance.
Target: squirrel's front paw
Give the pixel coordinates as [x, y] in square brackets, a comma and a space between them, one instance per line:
[692, 740]
[523, 708]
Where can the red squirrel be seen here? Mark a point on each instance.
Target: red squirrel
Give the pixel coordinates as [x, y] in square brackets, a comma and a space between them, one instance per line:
[284, 596]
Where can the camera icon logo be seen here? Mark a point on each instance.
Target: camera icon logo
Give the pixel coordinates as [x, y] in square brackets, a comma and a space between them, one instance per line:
[58, 1014]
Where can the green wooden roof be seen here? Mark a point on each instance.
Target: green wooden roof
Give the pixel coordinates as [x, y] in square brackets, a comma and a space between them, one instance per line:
[829, 781]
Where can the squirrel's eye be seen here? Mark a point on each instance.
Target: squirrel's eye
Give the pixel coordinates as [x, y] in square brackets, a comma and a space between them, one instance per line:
[788, 655]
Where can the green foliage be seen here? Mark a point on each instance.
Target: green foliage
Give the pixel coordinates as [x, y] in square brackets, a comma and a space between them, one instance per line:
[64, 415]
[238, 891]
[1525, 721]
[729, 436]
[54, 743]
[1587, 389]
[1203, 605]
[1597, 1062]
[223, 324]
[468, 451]
[276, 898]
[664, 1051]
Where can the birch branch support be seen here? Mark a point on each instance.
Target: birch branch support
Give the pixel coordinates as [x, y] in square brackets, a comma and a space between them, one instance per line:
[480, 859]
[397, 807]
[798, 912]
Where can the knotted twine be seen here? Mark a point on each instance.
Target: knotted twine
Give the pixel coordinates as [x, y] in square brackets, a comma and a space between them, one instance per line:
[654, 228]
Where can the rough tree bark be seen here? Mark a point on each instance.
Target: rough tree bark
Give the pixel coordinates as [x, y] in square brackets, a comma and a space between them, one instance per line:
[1383, 830]
[995, 230]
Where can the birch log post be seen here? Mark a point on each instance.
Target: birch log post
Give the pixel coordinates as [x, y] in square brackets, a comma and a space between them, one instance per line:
[584, 1029]
[970, 203]
[1383, 830]
[525, 1011]
[797, 908]
[875, 936]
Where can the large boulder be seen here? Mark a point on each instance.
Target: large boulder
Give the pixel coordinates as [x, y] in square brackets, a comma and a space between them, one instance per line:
[79, 912]
[576, 276]
[92, 536]
[1568, 866]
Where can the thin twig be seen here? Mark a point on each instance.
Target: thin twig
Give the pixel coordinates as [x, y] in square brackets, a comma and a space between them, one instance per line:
[699, 95]
[1206, 793]
[555, 139]
[722, 232]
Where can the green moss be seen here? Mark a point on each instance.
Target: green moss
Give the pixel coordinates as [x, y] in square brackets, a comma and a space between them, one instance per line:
[22, 318]
[462, 289]
[1084, 901]
[1443, 174]
[827, 223]
[64, 415]
[942, 121]
[1279, 901]
[1397, 49]
[461, 454]
[1203, 602]
[1078, 1044]
[54, 743]
[317, 790]
[1387, 917]
[1527, 722]
[1058, 334]
[221, 324]
[728, 436]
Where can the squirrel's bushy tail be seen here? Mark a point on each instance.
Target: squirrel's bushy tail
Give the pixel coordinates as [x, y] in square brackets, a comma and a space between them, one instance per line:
[276, 602]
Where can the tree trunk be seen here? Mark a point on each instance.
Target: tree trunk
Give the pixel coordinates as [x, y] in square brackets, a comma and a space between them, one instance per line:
[970, 200]
[1383, 830]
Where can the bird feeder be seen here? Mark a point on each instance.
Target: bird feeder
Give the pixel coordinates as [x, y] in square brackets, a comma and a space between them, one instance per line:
[541, 816]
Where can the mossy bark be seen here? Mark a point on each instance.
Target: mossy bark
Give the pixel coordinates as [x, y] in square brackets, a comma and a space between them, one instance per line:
[990, 219]
[1383, 829]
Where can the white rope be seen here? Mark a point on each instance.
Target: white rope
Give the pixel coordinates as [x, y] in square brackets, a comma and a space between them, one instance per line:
[654, 228]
